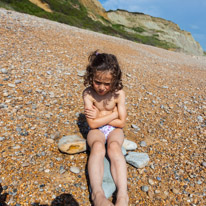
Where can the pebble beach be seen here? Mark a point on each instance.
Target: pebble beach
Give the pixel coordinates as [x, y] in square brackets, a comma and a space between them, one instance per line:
[42, 64]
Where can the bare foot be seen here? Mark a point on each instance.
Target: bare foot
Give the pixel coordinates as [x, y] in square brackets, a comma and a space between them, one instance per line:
[99, 199]
[122, 201]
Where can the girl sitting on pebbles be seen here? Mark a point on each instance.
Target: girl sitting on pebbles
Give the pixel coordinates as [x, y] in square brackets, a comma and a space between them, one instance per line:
[104, 106]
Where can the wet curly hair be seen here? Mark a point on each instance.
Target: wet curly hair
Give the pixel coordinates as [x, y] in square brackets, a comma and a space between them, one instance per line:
[103, 62]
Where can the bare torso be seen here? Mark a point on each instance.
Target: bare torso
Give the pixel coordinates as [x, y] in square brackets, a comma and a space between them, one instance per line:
[105, 104]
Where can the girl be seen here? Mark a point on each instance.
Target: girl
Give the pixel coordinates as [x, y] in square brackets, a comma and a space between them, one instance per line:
[104, 104]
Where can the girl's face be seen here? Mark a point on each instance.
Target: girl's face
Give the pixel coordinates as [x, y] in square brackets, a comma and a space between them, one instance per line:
[102, 82]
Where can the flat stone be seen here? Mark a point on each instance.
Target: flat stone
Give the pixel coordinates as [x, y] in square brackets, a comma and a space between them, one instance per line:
[4, 71]
[151, 182]
[2, 138]
[135, 127]
[18, 81]
[72, 144]
[200, 118]
[129, 145]
[143, 144]
[75, 170]
[138, 160]
[11, 85]
[55, 135]
[51, 141]
[81, 73]
[175, 191]
[108, 184]
[145, 188]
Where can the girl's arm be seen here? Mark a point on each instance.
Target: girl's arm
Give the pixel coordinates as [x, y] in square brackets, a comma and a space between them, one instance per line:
[91, 113]
[122, 114]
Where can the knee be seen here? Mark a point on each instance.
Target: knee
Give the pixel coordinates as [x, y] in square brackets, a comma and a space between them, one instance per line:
[98, 147]
[114, 148]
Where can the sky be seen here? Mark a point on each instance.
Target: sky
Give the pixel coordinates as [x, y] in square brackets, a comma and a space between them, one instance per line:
[190, 15]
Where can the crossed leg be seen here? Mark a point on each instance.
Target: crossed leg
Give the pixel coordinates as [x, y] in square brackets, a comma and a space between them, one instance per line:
[118, 165]
[96, 142]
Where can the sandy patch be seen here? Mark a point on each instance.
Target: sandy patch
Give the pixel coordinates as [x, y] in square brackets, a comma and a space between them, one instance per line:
[42, 5]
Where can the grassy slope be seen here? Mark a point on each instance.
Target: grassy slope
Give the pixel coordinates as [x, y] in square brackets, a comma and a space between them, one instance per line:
[71, 12]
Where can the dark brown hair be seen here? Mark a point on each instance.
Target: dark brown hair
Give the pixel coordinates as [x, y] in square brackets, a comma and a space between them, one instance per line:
[104, 62]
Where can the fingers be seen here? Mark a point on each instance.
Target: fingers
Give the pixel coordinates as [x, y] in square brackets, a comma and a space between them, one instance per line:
[90, 113]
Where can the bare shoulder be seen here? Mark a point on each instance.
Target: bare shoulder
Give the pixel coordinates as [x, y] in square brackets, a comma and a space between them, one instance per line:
[120, 94]
[87, 92]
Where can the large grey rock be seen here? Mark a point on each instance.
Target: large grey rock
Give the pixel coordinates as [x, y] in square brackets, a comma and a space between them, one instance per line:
[129, 145]
[72, 144]
[108, 184]
[138, 160]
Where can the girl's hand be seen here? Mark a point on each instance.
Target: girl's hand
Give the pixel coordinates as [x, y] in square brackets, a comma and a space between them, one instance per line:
[91, 113]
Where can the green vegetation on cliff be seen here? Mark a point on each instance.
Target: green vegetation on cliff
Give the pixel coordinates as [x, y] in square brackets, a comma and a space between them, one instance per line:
[73, 13]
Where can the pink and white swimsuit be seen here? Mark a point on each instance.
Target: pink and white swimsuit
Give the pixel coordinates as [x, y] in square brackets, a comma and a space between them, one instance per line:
[106, 129]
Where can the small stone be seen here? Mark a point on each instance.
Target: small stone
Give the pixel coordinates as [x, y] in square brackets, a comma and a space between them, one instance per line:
[129, 145]
[159, 178]
[83, 188]
[204, 164]
[135, 127]
[25, 164]
[81, 73]
[5, 94]
[157, 191]
[138, 160]
[128, 75]
[16, 147]
[145, 188]
[199, 182]
[143, 144]
[50, 141]
[17, 81]
[75, 170]
[166, 193]
[11, 85]
[200, 118]
[5, 187]
[3, 106]
[4, 71]
[62, 170]
[2, 138]
[151, 182]
[55, 135]
[175, 191]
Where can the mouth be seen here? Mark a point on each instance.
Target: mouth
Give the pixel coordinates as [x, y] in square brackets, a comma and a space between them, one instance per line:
[101, 91]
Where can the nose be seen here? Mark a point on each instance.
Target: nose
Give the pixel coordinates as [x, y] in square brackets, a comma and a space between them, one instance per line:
[101, 86]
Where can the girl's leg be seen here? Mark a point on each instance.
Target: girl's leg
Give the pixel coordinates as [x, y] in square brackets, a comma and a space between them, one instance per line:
[96, 141]
[118, 165]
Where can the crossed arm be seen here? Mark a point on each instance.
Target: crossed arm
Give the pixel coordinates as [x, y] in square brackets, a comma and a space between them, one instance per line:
[116, 118]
